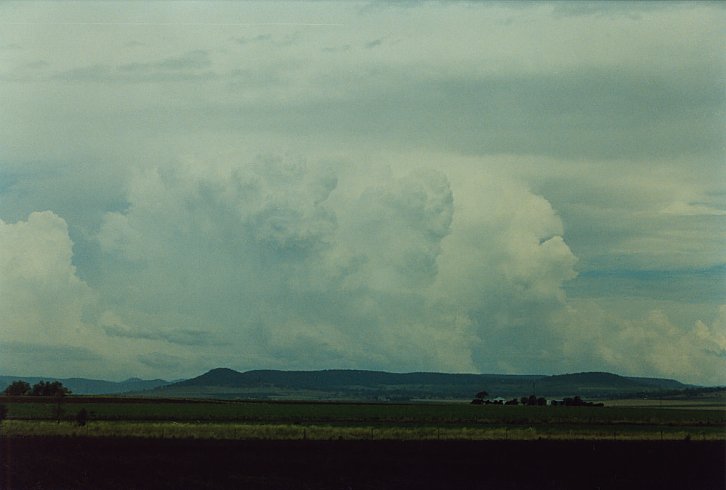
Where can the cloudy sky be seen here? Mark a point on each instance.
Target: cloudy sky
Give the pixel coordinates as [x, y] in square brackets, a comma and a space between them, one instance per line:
[445, 186]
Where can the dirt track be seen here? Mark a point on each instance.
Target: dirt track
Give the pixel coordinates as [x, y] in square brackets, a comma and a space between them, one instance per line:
[78, 463]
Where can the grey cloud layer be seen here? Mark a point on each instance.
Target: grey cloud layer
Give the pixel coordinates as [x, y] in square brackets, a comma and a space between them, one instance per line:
[584, 113]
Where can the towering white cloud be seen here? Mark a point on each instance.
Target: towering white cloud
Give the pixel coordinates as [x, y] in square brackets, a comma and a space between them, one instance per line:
[42, 300]
[40, 292]
[649, 342]
[286, 256]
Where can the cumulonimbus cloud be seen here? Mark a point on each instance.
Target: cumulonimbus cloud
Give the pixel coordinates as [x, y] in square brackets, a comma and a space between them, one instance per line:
[284, 263]
[398, 272]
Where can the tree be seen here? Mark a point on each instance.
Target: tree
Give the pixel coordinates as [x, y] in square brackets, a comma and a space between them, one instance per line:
[54, 388]
[17, 388]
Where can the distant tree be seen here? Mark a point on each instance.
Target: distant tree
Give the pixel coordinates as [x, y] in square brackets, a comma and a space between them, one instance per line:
[479, 398]
[82, 417]
[17, 388]
[53, 388]
[541, 401]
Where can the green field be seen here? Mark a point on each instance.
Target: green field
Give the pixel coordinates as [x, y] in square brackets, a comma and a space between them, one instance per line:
[121, 417]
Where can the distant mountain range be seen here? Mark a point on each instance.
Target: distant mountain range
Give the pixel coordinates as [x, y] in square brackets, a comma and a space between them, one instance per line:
[368, 385]
[83, 386]
[377, 385]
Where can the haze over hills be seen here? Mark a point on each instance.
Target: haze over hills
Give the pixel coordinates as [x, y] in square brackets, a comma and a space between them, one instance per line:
[83, 386]
[342, 384]
[359, 384]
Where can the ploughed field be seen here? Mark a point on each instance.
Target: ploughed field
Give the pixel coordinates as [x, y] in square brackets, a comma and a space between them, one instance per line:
[126, 463]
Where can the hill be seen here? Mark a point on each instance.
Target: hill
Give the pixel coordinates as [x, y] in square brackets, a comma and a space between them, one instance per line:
[378, 385]
[594, 382]
[349, 384]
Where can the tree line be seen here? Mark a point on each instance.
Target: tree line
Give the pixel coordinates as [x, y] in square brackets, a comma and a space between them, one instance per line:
[53, 389]
[42, 388]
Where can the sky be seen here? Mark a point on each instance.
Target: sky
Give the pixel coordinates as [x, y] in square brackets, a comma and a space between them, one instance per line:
[481, 187]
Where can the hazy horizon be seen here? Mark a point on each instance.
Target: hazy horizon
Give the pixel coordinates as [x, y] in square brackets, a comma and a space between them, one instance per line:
[33, 378]
[482, 187]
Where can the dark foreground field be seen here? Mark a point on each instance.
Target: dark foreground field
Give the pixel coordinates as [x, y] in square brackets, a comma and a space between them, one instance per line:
[101, 463]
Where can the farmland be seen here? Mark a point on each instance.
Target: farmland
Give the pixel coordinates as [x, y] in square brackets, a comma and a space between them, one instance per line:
[152, 443]
[128, 417]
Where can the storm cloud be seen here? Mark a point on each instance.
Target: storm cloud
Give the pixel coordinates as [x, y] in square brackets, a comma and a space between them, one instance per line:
[275, 255]
[469, 187]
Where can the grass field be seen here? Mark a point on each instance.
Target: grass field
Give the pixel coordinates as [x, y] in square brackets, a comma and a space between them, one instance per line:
[120, 417]
[693, 404]
[237, 431]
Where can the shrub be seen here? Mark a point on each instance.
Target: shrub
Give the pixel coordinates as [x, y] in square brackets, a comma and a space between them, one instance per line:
[82, 417]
